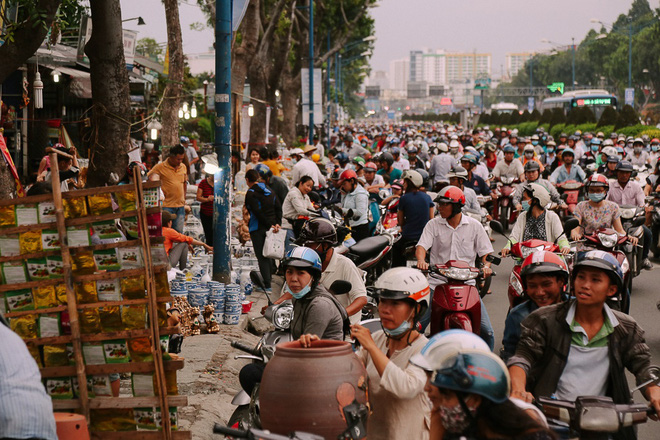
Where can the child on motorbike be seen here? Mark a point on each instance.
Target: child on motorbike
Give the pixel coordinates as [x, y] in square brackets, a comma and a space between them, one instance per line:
[581, 347]
[396, 388]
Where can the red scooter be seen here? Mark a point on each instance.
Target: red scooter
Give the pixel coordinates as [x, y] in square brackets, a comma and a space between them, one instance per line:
[519, 252]
[570, 193]
[457, 304]
[503, 209]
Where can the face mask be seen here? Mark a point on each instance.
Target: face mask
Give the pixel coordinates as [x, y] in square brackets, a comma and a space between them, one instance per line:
[400, 330]
[654, 147]
[304, 291]
[454, 419]
[598, 197]
[529, 154]
[637, 150]
[551, 150]
[364, 144]
[594, 148]
[294, 161]
[535, 142]
[525, 205]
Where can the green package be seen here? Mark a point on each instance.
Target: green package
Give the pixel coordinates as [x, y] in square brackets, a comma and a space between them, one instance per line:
[37, 269]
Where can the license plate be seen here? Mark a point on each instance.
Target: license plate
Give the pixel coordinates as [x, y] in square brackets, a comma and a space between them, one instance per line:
[411, 263]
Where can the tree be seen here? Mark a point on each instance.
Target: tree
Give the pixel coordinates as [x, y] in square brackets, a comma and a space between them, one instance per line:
[172, 95]
[112, 109]
[609, 117]
[525, 117]
[149, 48]
[627, 117]
[535, 115]
[546, 117]
[558, 117]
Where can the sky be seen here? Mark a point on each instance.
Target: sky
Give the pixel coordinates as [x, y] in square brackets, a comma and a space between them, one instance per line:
[485, 26]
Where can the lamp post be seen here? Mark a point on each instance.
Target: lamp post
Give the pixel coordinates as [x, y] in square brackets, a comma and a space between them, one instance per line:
[310, 137]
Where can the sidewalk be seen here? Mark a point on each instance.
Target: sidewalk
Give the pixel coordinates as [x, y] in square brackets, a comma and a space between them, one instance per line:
[210, 375]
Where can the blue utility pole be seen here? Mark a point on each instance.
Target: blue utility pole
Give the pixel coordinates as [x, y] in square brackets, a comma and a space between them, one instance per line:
[573, 66]
[222, 185]
[327, 93]
[311, 72]
[630, 34]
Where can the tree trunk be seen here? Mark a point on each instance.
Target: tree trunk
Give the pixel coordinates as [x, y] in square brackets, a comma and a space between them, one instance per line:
[242, 55]
[259, 90]
[172, 93]
[290, 90]
[112, 110]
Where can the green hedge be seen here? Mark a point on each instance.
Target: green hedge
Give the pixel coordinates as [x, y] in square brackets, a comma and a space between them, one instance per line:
[529, 128]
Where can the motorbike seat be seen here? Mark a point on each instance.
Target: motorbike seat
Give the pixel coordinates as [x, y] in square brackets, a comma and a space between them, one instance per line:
[369, 247]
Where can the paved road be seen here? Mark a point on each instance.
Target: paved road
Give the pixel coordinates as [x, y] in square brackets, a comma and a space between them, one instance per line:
[643, 309]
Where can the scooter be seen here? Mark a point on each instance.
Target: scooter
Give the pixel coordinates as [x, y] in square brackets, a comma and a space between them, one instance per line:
[632, 219]
[455, 303]
[653, 199]
[503, 209]
[570, 194]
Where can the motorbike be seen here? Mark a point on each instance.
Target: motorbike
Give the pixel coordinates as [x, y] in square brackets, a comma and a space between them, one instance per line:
[632, 219]
[503, 209]
[570, 194]
[455, 303]
[653, 199]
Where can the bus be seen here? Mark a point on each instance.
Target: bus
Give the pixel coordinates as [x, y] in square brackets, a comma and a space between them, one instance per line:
[504, 107]
[596, 99]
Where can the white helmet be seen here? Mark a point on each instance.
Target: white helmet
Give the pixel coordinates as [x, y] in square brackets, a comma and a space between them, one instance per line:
[445, 345]
[539, 192]
[459, 172]
[454, 144]
[442, 147]
[609, 151]
[404, 283]
[414, 177]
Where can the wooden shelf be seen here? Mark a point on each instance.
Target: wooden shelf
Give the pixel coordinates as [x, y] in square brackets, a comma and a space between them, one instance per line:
[128, 367]
[125, 302]
[41, 254]
[105, 217]
[27, 228]
[139, 435]
[115, 274]
[119, 402]
[30, 284]
[107, 190]
[100, 337]
[27, 200]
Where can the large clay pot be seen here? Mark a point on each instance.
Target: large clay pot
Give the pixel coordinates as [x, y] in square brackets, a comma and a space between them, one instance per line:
[305, 389]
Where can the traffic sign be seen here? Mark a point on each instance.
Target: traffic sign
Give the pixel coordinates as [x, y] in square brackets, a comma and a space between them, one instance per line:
[530, 104]
[482, 83]
[557, 87]
[630, 97]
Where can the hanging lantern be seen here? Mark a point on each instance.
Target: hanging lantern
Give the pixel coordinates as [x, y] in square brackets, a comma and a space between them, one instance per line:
[185, 107]
[56, 75]
[180, 113]
[250, 110]
[38, 87]
[193, 111]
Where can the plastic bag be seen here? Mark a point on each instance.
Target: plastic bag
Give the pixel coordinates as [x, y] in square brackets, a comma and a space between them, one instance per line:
[274, 244]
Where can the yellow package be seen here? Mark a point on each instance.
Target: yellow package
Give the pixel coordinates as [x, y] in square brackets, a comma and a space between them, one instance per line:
[112, 420]
[30, 242]
[75, 208]
[83, 263]
[111, 319]
[100, 204]
[170, 384]
[60, 294]
[162, 315]
[7, 216]
[140, 350]
[45, 297]
[25, 326]
[36, 355]
[90, 321]
[86, 292]
[133, 287]
[134, 317]
[162, 285]
[126, 201]
[55, 356]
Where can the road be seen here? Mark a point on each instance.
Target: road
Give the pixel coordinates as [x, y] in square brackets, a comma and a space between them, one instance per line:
[643, 309]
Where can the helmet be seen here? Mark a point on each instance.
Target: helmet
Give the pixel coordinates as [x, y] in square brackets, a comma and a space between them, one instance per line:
[567, 151]
[529, 147]
[539, 193]
[412, 149]
[451, 194]
[305, 258]
[458, 373]
[404, 283]
[629, 139]
[608, 143]
[491, 147]
[610, 151]
[317, 230]
[342, 158]
[624, 165]
[596, 141]
[655, 141]
[613, 159]
[414, 177]
[263, 170]
[425, 176]
[543, 262]
[454, 144]
[183, 139]
[535, 137]
[370, 166]
[597, 180]
[348, 174]
[388, 158]
[359, 161]
[532, 165]
[459, 172]
[601, 260]
[397, 184]
[551, 143]
[563, 135]
[508, 148]
[638, 141]
[469, 158]
[443, 147]
[445, 344]
[396, 150]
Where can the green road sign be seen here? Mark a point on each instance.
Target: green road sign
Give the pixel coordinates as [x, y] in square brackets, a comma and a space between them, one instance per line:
[557, 87]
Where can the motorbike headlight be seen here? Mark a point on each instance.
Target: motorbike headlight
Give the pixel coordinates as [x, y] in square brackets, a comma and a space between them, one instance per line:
[628, 212]
[657, 210]
[460, 274]
[516, 284]
[527, 251]
[608, 240]
[575, 185]
[599, 419]
[282, 316]
[507, 180]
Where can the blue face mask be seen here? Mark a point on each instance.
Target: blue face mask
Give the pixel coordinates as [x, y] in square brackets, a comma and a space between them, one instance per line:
[535, 142]
[594, 148]
[525, 205]
[304, 291]
[596, 197]
[550, 150]
[400, 330]
[654, 147]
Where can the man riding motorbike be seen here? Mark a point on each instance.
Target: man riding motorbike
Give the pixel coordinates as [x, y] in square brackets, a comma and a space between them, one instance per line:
[568, 170]
[532, 175]
[457, 177]
[355, 204]
[469, 162]
[509, 166]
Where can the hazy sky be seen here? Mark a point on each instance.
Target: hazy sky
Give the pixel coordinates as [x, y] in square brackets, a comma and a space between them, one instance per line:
[494, 26]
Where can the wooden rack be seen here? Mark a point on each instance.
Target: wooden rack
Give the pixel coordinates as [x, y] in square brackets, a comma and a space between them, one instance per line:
[154, 301]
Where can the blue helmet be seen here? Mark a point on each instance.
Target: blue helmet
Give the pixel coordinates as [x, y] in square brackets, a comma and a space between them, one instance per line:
[601, 260]
[304, 258]
[264, 171]
[469, 158]
[342, 158]
[508, 148]
[567, 151]
[184, 139]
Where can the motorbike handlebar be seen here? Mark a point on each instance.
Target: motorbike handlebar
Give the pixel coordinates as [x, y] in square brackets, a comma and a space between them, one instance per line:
[246, 348]
[230, 432]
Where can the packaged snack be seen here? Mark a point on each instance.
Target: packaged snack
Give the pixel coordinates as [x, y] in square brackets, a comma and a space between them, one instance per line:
[90, 321]
[47, 212]
[55, 266]
[133, 287]
[75, 207]
[154, 225]
[134, 317]
[27, 215]
[130, 257]
[158, 254]
[83, 263]
[13, 272]
[56, 356]
[108, 290]
[162, 285]
[37, 269]
[101, 386]
[59, 388]
[10, 245]
[7, 216]
[151, 197]
[50, 239]
[77, 236]
[106, 259]
[30, 242]
[164, 342]
[3, 306]
[25, 326]
[44, 297]
[18, 300]
[116, 351]
[162, 315]
[140, 350]
[126, 201]
[130, 227]
[86, 292]
[93, 353]
[60, 294]
[106, 230]
[115, 419]
[145, 419]
[173, 418]
[90, 387]
[170, 383]
[100, 204]
[142, 384]
[49, 325]
[69, 354]
[111, 319]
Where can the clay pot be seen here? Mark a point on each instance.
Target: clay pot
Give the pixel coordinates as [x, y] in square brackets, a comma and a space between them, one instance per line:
[305, 389]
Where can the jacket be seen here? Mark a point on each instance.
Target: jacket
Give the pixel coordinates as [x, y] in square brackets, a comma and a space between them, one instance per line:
[318, 313]
[553, 229]
[545, 341]
[358, 201]
[264, 208]
[296, 204]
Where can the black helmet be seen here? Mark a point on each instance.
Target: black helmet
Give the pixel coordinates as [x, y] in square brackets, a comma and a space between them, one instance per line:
[342, 158]
[532, 165]
[317, 230]
[387, 157]
[425, 176]
[624, 165]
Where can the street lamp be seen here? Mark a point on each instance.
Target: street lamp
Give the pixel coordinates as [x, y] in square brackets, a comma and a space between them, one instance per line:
[193, 110]
[250, 110]
[56, 75]
[154, 127]
[545, 40]
[140, 20]
[630, 35]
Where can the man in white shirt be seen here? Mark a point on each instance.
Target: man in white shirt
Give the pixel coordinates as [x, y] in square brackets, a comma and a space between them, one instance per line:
[307, 167]
[400, 163]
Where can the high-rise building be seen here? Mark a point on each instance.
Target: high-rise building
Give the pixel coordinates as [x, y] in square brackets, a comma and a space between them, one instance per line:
[462, 67]
[399, 74]
[515, 62]
[416, 66]
[434, 67]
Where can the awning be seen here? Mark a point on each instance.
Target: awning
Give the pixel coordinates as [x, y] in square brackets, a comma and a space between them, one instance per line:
[81, 83]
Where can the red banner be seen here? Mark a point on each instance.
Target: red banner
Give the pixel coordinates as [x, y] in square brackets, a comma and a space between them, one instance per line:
[20, 191]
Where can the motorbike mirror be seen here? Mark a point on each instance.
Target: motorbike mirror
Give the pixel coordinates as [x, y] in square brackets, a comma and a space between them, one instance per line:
[639, 221]
[564, 197]
[493, 259]
[340, 287]
[497, 227]
[571, 224]
[257, 279]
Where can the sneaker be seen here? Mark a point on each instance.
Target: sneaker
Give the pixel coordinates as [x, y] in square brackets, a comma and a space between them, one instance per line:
[647, 264]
